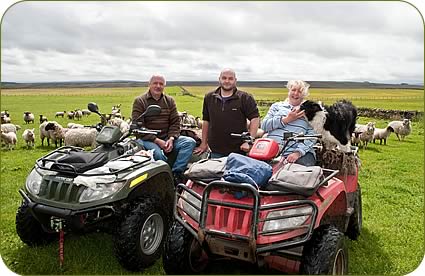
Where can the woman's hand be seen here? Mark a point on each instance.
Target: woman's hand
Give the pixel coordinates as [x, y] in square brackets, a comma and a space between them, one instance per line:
[293, 115]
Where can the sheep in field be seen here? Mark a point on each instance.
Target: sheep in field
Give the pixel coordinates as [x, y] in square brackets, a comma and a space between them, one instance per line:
[60, 114]
[365, 133]
[401, 128]
[81, 137]
[10, 128]
[78, 114]
[9, 139]
[74, 125]
[29, 137]
[56, 132]
[382, 134]
[43, 119]
[46, 133]
[28, 117]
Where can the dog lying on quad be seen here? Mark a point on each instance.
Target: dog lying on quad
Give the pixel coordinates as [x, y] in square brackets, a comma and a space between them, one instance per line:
[336, 123]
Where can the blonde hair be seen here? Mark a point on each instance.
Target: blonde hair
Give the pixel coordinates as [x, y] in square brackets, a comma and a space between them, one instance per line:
[302, 85]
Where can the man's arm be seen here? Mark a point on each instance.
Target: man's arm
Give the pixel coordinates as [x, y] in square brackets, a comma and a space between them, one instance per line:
[254, 124]
[204, 144]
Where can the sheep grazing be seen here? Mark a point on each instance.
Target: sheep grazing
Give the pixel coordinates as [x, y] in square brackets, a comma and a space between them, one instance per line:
[86, 112]
[363, 134]
[5, 113]
[74, 125]
[56, 132]
[43, 119]
[29, 137]
[81, 137]
[28, 117]
[123, 125]
[382, 134]
[5, 119]
[10, 128]
[78, 114]
[9, 139]
[401, 128]
[60, 114]
[70, 115]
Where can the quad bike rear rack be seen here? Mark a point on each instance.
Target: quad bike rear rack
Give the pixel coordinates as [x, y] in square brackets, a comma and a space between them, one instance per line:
[41, 163]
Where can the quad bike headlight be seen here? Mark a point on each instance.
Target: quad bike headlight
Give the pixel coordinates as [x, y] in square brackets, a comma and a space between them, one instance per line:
[101, 191]
[33, 182]
[287, 218]
[189, 209]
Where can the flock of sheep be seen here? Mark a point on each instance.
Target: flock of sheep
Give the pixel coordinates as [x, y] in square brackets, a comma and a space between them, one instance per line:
[82, 136]
[364, 134]
[73, 135]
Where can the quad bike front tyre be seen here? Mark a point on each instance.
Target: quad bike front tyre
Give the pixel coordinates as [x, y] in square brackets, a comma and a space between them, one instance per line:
[325, 253]
[29, 229]
[182, 252]
[140, 236]
[355, 223]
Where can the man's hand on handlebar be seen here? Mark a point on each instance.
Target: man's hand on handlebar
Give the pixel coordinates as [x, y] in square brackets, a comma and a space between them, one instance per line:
[245, 147]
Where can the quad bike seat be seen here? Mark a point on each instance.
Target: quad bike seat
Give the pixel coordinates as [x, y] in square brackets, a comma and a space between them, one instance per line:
[80, 161]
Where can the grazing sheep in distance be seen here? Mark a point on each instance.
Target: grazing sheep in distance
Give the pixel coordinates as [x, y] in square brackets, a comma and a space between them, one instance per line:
[28, 117]
[60, 114]
[43, 119]
[382, 134]
[78, 114]
[401, 128]
[86, 112]
[29, 137]
[70, 115]
[74, 125]
[9, 139]
[81, 137]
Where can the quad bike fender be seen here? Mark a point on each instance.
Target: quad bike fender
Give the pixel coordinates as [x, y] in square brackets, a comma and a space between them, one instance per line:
[331, 201]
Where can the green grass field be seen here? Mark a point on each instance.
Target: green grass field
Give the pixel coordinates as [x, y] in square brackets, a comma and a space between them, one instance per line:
[391, 176]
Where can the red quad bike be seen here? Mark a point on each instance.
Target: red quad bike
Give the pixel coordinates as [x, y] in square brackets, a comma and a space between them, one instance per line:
[283, 230]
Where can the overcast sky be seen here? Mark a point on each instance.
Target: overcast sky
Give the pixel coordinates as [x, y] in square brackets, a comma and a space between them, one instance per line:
[337, 41]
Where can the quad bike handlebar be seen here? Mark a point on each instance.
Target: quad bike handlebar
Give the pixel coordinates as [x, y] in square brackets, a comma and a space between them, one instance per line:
[245, 136]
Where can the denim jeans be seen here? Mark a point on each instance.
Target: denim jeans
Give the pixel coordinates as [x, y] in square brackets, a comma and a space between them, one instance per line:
[183, 146]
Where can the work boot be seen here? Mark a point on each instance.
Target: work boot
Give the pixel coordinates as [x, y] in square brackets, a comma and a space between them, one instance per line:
[179, 178]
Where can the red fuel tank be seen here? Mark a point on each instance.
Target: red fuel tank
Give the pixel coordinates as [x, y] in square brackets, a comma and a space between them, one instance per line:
[264, 149]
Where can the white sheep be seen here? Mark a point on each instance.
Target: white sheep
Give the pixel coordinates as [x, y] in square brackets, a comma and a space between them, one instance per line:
[9, 139]
[46, 133]
[74, 125]
[10, 128]
[78, 114]
[123, 125]
[365, 133]
[86, 112]
[29, 137]
[81, 137]
[70, 114]
[56, 132]
[60, 114]
[43, 118]
[401, 128]
[382, 134]
[28, 117]
[5, 119]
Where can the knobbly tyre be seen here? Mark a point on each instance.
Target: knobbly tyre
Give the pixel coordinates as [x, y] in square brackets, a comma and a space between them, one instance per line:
[284, 230]
[111, 188]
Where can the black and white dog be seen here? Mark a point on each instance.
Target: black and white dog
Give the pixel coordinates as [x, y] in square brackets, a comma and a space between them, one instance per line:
[336, 123]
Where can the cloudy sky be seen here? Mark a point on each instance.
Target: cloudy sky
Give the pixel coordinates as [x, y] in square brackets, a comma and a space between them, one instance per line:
[338, 41]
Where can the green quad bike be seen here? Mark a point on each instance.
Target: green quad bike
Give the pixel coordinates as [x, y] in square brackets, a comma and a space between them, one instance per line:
[112, 188]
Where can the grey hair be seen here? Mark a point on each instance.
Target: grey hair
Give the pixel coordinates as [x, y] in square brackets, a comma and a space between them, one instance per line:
[158, 76]
[301, 84]
[228, 70]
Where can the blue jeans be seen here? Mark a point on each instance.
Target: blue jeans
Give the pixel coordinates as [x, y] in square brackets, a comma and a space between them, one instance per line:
[183, 146]
[307, 160]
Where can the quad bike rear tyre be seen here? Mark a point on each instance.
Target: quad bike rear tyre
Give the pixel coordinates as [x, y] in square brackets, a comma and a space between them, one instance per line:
[140, 236]
[182, 252]
[325, 253]
[355, 223]
[30, 230]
